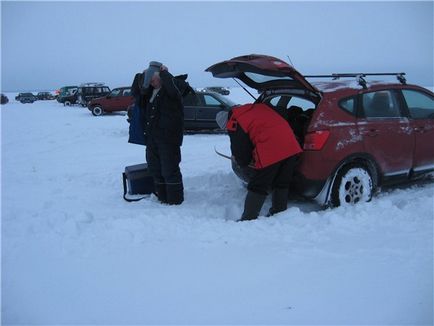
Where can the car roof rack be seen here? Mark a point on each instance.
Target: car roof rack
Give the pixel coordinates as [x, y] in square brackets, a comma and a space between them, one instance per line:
[91, 84]
[360, 77]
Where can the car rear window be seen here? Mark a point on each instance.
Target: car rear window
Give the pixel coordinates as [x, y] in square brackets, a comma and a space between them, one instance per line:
[349, 105]
[210, 100]
[262, 78]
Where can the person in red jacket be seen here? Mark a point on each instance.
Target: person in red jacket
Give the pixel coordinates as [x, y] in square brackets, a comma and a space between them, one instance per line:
[262, 139]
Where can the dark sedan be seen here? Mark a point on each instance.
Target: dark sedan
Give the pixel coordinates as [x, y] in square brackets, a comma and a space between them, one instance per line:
[45, 96]
[200, 110]
[26, 98]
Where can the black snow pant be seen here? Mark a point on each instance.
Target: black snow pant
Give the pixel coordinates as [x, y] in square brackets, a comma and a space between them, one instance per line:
[163, 160]
[275, 176]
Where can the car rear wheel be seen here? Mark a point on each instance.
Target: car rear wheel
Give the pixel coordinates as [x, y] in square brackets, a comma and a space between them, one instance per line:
[67, 103]
[97, 111]
[353, 184]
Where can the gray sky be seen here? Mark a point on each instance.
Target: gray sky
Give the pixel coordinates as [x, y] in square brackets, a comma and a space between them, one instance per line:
[46, 45]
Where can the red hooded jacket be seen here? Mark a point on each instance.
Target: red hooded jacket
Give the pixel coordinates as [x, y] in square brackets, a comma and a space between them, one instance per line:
[272, 137]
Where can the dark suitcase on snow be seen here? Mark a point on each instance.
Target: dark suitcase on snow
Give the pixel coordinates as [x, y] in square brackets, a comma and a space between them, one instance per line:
[137, 181]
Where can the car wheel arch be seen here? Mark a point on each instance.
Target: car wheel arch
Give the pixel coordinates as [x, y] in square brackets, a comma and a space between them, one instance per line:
[357, 159]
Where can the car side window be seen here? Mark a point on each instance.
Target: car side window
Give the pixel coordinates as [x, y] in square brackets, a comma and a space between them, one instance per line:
[127, 92]
[381, 104]
[211, 100]
[348, 105]
[420, 105]
[115, 92]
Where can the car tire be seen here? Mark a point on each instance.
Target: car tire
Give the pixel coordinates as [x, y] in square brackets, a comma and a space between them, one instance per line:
[353, 184]
[67, 103]
[97, 111]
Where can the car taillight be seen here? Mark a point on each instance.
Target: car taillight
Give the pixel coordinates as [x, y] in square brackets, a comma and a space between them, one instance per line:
[314, 141]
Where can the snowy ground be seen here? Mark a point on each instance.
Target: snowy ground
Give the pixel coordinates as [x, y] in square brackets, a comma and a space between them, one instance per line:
[74, 252]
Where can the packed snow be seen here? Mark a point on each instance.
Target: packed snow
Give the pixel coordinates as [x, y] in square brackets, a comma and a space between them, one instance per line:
[74, 252]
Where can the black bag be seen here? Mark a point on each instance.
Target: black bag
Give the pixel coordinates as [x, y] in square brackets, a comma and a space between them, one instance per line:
[137, 181]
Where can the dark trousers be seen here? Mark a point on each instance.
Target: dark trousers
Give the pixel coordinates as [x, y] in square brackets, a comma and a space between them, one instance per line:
[278, 175]
[163, 163]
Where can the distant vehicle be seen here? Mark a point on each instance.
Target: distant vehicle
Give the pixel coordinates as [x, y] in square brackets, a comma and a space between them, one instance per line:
[119, 99]
[357, 135]
[218, 89]
[201, 108]
[67, 95]
[4, 99]
[45, 96]
[26, 98]
[89, 91]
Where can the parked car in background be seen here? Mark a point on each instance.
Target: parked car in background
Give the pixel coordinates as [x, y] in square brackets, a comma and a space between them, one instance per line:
[4, 99]
[201, 108]
[67, 95]
[45, 96]
[26, 98]
[356, 135]
[119, 99]
[18, 97]
[218, 89]
[89, 91]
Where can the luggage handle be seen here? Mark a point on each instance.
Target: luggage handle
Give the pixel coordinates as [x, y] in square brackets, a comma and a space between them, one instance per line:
[124, 176]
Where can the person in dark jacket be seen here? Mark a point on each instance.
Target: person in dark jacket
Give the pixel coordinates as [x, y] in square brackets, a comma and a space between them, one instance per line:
[164, 126]
[263, 140]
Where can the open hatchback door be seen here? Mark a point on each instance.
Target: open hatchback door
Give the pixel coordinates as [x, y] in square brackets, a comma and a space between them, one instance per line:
[261, 72]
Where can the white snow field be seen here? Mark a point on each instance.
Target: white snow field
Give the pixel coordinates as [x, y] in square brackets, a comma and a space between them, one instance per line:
[74, 252]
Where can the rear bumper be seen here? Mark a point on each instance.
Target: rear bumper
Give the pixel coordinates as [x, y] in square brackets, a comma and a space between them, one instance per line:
[300, 184]
[306, 187]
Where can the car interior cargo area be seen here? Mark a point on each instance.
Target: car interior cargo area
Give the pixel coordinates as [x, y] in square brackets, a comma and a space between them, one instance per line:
[295, 109]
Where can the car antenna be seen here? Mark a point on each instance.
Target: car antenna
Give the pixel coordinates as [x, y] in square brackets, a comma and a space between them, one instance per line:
[290, 60]
[244, 89]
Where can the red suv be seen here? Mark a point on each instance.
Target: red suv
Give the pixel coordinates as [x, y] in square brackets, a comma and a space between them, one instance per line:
[356, 135]
[119, 99]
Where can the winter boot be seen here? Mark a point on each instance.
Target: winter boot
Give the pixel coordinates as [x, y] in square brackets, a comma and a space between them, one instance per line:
[160, 192]
[175, 193]
[279, 201]
[252, 206]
